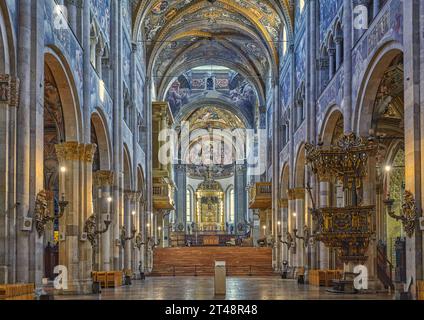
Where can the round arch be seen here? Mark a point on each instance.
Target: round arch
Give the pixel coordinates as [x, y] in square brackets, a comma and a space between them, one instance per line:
[299, 173]
[7, 44]
[191, 107]
[128, 181]
[99, 125]
[329, 125]
[364, 108]
[285, 181]
[67, 91]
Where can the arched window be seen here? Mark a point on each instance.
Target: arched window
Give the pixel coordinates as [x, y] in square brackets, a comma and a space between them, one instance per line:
[301, 5]
[189, 205]
[231, 206]
[284, 40]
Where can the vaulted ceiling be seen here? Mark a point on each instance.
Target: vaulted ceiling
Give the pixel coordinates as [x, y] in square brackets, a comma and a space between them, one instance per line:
[242, 35]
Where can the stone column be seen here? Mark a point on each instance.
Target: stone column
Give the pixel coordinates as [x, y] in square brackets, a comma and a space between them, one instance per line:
[324, 190]
[347, 65]
[413, 11]
[298, 195]
[23, 140]
[99, 60]
[180, 199]
[103, 181]
[128, 209]
[9, 94]
[331, 62]
[292, 214]
[75, 254]
[240, 196]
[116, 63]
[375, 8]
[284, 203]
[72, 14]
[339, 51]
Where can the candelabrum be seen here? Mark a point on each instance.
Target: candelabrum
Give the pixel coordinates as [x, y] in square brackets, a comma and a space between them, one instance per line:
[90, 228]
[138, 241]
[289, 242]
[41, 212]
[409, 212]
[307, 237]
[124, 237]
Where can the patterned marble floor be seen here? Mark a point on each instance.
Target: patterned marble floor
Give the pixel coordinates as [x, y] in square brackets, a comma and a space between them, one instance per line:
[200, 288]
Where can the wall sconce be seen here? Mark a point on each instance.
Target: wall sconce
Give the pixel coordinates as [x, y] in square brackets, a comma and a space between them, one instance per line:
[289, 242]
[138, 241]
[307, 237]
[41, 213]
[124, 237]
[90, 228]
[409, 212]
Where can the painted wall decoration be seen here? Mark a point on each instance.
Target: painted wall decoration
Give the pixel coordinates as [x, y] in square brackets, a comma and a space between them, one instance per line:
[328, 10]
[225, 84]
[101, 10]
[300, 62]
[389, 27]
[64, 39]
[286, 88]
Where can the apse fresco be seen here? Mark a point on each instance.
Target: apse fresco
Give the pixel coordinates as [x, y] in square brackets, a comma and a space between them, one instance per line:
[226, 85]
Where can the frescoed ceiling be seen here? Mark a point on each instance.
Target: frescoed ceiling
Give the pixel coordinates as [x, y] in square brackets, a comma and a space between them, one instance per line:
[240, 34]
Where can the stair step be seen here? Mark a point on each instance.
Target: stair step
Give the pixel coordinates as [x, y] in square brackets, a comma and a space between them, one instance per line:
[200, 261]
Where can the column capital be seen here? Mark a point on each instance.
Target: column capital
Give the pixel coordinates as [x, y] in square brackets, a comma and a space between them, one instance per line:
[75, 151]
[103, 178]
[9, 90]
[296, 194]
[284, 203]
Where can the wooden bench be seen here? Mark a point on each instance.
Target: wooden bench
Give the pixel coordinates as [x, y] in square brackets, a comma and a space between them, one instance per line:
[324, 278]
[17, 292]
[112, 279]
[420, 290]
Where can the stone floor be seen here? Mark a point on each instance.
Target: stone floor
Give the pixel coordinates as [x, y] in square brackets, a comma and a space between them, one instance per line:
[202, 288]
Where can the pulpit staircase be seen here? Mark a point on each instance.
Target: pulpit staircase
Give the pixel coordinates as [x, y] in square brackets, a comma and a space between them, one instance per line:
[384, 267]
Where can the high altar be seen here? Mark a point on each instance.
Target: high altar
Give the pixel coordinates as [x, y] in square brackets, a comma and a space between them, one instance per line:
[209, 215]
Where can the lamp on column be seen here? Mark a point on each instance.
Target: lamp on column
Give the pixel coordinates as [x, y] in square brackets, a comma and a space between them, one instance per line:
[90, 228]
[124, 237]
[409, 212]
[41, 212]
[289, 242]
[307, 237]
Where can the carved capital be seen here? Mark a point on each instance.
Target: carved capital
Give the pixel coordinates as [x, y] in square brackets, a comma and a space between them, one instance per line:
[9, 90]
[103, 178]
[72, 151]
[296, 194]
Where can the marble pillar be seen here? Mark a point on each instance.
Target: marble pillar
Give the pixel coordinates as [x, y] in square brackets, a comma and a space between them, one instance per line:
[8, 104]
[324, 193]
[240, 201]
[76, 185]
[103, 182]
[347, 65]
[180, 199]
